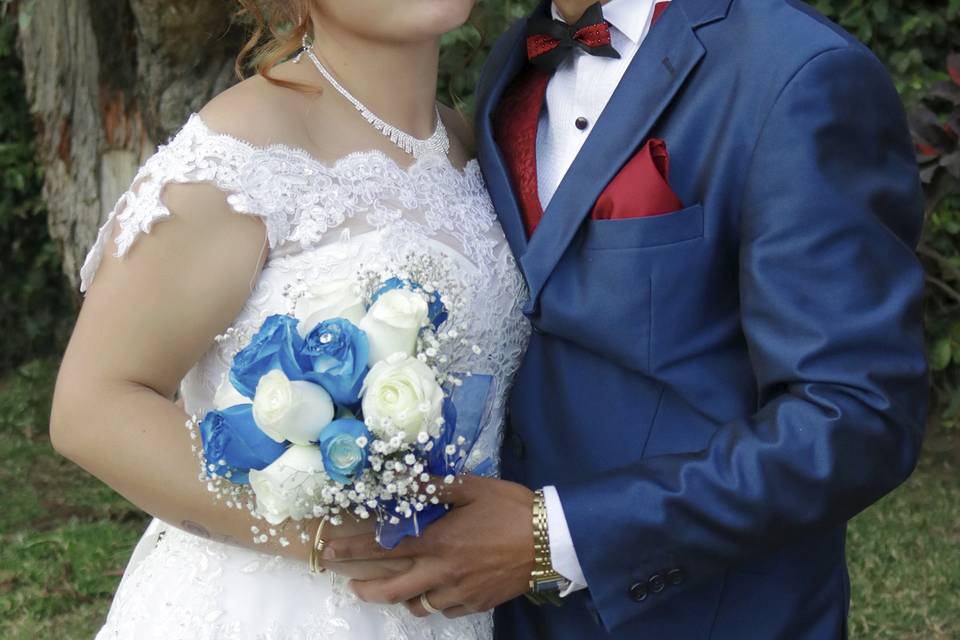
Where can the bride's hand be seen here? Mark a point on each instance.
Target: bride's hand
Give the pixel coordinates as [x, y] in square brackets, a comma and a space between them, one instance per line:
[362, 569]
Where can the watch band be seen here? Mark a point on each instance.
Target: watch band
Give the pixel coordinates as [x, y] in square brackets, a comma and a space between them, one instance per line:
[544, 578]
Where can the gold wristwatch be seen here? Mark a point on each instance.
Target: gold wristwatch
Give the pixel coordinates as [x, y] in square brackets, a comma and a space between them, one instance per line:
[545, 583]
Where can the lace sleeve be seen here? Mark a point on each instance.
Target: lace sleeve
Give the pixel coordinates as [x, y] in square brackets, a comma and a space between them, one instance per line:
[195, 154]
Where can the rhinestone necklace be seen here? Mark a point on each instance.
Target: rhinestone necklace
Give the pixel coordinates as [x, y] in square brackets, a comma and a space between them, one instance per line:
[417, 147]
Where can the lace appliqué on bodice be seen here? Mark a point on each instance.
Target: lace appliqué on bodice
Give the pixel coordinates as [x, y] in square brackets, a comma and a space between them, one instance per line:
[323, 221]
[299, 198]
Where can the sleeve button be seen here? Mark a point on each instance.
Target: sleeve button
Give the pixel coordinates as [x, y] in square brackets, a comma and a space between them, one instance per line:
[675, 576]
[638, 592]
[656, 583]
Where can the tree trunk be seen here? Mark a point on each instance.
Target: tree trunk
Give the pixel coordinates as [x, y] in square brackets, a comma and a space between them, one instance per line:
[108, 80]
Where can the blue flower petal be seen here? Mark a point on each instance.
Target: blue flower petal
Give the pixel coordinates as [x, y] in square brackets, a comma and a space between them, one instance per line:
[343, 458]
[275, 346]
[336, 353]
[233, 437]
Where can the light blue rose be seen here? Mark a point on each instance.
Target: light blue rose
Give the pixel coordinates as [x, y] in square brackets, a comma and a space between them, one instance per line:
[436, 309]
[275, 346]
[343, 458]
[233, 442]
[336, 352]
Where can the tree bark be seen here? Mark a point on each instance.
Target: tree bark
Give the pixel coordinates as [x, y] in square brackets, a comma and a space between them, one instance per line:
[108, 80]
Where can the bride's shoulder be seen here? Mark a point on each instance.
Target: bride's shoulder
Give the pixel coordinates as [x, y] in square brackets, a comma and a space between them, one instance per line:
[258, 111]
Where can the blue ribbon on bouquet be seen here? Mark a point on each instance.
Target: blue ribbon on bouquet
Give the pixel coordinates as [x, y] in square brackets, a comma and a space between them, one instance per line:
[462, 413]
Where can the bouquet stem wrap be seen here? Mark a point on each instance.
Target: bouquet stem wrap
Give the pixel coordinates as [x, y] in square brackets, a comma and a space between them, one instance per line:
[463, 414]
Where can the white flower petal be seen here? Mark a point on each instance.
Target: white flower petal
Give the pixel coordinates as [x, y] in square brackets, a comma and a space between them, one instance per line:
[291, 410]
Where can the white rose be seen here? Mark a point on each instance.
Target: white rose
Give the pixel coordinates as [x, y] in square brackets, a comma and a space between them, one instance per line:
[289, 487]
[329, 299]
[227, 396]
[401, 394]
[291, 410]
[393, 323]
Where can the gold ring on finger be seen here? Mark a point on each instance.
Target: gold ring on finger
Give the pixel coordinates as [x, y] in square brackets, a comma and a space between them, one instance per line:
[426, 604]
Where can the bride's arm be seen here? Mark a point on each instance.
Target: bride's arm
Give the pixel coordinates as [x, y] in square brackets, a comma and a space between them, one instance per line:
[146, 320]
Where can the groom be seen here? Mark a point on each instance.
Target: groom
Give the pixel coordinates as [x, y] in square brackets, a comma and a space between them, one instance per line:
[715, 205]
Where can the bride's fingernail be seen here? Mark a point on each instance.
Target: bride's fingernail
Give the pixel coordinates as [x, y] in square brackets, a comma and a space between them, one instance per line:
[328, 554]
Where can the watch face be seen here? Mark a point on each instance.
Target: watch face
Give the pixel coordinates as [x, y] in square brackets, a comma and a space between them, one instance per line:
[552, 584]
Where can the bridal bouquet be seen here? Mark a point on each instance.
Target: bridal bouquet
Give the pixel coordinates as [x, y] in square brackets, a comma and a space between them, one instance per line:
[344, 407]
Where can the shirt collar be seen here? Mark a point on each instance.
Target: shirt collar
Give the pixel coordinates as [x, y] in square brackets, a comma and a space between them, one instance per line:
[629, 17]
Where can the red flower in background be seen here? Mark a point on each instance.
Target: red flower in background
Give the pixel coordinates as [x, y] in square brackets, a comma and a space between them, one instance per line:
[935, 125]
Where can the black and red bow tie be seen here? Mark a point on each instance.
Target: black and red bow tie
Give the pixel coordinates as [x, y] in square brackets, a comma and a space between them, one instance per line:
[550, 41]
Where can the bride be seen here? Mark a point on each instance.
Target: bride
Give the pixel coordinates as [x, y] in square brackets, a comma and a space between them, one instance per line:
[284, 182]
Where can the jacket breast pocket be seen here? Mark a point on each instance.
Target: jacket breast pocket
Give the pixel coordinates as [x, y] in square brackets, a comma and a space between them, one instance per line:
[646, 231]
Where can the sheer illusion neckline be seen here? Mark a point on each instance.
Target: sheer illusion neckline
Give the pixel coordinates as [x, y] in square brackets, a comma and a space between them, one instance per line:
[468, 172]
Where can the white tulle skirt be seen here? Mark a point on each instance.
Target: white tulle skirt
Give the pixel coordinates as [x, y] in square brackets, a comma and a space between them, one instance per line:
[179, 586]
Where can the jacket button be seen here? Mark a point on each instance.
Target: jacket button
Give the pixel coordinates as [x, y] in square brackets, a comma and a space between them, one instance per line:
[676, 576]
[657, 583]
[638, 592]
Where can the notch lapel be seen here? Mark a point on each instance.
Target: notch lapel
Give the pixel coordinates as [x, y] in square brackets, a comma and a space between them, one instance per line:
[660, 67]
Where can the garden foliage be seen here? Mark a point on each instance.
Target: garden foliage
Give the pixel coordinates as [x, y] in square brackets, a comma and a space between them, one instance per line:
[935, 122]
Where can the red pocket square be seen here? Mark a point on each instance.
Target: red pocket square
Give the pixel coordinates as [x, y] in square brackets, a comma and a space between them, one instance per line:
[642, 187]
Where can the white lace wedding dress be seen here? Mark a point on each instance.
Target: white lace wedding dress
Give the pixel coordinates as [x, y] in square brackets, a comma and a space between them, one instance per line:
[323, 221]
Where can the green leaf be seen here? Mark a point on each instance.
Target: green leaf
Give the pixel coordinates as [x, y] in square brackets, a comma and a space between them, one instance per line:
[941, 354]
[880, 10]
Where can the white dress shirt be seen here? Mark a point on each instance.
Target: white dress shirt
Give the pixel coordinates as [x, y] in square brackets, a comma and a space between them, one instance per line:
[581, 88]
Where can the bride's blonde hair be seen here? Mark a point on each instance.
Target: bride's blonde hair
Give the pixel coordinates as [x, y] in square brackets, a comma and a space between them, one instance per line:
[279, 27]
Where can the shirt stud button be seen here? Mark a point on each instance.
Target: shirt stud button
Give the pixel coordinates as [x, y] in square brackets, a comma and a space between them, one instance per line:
[582, 123]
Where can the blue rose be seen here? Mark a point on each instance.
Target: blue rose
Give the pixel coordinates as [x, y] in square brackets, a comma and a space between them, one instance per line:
[343, 458]
[336, 353]
[436, 310]
[233, 442]
[275, 346]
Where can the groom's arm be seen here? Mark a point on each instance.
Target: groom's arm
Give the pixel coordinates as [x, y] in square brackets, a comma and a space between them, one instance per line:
[830, 292]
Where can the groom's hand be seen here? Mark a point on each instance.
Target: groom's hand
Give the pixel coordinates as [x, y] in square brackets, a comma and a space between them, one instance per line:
[474, 558]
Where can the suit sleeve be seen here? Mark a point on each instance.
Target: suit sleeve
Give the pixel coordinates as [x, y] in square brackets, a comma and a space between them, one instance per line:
[830, 290]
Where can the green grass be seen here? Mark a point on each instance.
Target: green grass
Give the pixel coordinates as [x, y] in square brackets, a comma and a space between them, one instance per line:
[904, 554]
[65, 537]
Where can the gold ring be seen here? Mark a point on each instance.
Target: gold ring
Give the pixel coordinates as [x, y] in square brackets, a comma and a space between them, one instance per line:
[318, 545]
[426, 604]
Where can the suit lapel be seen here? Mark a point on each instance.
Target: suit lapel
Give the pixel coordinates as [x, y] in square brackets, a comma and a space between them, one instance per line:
[659, 69]
[492, 162]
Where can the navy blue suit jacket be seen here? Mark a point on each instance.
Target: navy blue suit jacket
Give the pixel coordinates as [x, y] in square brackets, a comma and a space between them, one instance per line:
[716, 391]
